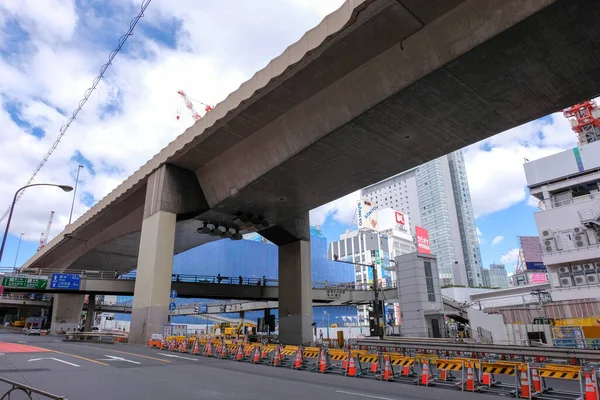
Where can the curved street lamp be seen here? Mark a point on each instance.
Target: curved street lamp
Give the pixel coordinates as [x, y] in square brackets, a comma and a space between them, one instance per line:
[65, 188]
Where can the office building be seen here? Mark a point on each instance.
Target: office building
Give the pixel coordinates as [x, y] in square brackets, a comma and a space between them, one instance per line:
[365, 247]
[567, 185]
[495, 277]
[436, 196]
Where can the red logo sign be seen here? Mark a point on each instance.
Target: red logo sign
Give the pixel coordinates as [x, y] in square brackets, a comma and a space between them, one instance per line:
[399, 218]
[422, 240]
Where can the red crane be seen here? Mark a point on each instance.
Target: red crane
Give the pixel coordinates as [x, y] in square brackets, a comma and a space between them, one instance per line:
[44, 235]
[190, 106]
[585, 121]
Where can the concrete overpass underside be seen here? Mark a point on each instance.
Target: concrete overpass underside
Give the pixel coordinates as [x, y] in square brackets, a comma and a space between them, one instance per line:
[380, 86]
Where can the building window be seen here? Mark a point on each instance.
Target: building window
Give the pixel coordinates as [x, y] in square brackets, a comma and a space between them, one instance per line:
[429, 281]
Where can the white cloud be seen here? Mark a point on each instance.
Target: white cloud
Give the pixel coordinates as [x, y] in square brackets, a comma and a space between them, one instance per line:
[495, 166]
[533, 202]
[511, 257]
[131, 116]
[342, 210]
[480, 236]
[496, 240]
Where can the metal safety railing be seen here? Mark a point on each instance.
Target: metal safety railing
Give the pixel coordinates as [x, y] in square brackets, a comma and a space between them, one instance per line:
[17, 387]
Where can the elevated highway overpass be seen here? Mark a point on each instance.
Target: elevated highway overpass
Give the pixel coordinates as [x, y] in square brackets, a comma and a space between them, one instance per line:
[378, 87]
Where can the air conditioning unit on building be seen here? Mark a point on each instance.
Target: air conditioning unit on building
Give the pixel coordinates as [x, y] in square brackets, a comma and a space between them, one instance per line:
[547, 234]
[592, 279]
[549, 245]
[597, 266]
[578, 230]
[589, 268]
[563, 271]
[581, 240]
[566, 281]
[580, 280]
[577, 269]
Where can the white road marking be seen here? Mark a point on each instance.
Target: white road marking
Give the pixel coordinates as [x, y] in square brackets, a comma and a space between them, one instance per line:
[55, 359]
[113, 358]
[363, 395]
[174, 356]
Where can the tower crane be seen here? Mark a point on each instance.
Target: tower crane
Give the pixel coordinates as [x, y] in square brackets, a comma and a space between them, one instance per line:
[44, 235]
[585, 121]
[190, 106]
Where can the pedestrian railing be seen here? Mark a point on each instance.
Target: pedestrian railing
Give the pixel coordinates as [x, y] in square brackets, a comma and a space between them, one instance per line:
[17, 387]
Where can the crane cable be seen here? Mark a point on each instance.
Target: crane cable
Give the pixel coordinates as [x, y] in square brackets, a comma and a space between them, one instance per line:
[86, 96]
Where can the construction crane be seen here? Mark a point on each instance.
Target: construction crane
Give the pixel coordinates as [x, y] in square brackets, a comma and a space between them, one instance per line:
[44, 235]
[190, 105]
[585, 121]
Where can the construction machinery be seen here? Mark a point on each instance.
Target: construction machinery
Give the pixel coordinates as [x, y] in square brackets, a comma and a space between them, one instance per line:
[190, 106]
[44, 235]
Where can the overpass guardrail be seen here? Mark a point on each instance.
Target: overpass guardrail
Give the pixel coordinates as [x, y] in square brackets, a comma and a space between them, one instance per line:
[29, 391]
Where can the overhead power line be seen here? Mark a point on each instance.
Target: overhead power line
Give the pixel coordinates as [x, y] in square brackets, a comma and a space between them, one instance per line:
[86, 96]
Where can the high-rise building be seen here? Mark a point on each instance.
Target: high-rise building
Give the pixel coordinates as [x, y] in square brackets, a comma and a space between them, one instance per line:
[495, 277]
[436, 196]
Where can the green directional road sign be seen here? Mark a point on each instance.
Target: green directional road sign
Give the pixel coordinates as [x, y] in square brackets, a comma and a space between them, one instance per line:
[29, 283]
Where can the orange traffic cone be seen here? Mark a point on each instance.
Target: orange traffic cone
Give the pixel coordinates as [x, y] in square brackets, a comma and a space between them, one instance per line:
[322, 367]
[590, 391]
[535, 378]
[406, 370]
[525, 390]
[425, 373]
[595, 383]
[239, 354]
[375, 366]
[223, 352]
[277, 356]
[256, 356]
[298, 359]
[470, 379]
[351, 366]
[388, 372]
[195, 349]
[173, 345]
[183, 345]
[208, 351]
[248, 351]
[443, 375]
[486, 379]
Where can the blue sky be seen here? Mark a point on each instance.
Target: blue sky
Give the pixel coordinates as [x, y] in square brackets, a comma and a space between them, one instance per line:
[51, 51]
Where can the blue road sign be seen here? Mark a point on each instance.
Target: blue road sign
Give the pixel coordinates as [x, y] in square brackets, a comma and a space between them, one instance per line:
[172, 306]
[173, 294]
[65, 281]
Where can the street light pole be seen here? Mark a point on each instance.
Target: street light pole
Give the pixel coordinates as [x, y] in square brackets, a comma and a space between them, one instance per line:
[65, 188]
[75, 192]
[18, 248]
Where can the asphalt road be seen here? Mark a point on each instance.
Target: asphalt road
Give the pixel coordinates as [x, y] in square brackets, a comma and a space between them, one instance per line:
[121, 371]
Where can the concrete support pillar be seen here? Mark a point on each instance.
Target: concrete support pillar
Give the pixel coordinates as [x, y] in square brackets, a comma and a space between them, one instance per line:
[295, 293]
[66, 312]
[153, 277]
[89, 318]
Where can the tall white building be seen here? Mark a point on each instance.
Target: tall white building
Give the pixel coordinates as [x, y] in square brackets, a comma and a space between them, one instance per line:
[495, 277]
[567, 185]
[436, 196]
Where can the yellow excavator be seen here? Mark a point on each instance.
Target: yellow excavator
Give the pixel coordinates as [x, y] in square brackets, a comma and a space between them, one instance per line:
[228, 330]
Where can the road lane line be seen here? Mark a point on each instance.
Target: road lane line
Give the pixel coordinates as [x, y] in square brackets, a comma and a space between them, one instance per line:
[55, 359]
[174, 356]
[363, 395]
[81, 358]
[123, 352]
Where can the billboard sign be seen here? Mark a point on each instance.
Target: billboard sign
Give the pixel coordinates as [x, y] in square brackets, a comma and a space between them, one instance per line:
[366, 215]
[422, 240]
[531, 253]
[400, 219]
[174, 330]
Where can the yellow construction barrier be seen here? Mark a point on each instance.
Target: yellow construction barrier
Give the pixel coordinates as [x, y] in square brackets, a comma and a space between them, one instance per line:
[500, 368]
[558, 371]
[449, 365]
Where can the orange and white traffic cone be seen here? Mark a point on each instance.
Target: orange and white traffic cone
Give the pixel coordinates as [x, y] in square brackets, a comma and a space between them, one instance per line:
[298, 359]
[183, 345]
[470, 386]
[443, 375]
[239, 353]
[425, 373]
[276, 356]
[525, 389]
[256, 355]
[223, 352]
[208, 350]
[388, 372]
[248, 351]
[590, 391]
[595, 383]
[322, 367]
[173, 345]
[351, 366]
[195, 349]
[535, 378]
[406, 370]
[374, 369]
